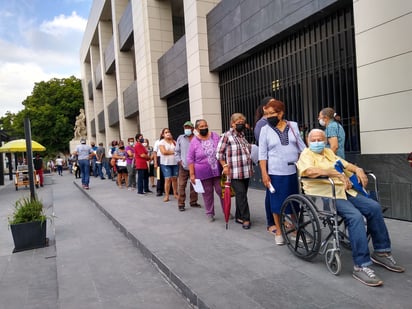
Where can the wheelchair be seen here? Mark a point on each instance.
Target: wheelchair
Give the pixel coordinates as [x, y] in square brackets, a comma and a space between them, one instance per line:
[303, 217]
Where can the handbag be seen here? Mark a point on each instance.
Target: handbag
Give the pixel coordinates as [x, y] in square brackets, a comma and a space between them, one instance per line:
[222, 184]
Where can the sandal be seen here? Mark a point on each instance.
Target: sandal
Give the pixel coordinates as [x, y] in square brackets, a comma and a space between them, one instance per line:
[166, 199]
[246, 226]
[240, 221]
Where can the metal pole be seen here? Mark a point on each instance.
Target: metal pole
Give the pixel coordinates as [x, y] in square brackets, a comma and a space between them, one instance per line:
[27, 134]
[1, 165]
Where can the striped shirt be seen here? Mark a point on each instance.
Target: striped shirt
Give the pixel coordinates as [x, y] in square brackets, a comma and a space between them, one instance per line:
[235, 150]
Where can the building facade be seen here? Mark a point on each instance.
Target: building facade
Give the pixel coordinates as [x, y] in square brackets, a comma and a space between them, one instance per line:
[152, 64]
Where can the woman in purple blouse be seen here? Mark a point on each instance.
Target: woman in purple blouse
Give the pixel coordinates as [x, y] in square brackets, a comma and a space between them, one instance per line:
[203, 165]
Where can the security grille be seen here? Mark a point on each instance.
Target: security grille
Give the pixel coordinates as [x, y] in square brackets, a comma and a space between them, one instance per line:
[179, 111]
[312, 68]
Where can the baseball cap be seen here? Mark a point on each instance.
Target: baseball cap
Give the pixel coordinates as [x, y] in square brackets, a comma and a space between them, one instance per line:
[189, 124]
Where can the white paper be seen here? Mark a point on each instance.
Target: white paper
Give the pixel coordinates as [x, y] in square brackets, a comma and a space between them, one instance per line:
[198, 187]
[120, 162]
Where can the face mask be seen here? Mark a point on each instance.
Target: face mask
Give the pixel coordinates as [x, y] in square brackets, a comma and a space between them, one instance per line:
[121, 147]
[188, 132]
[144, 144]
[131, 143]
[273, 121]
[317, 147]
[322, 122]
[204, 132]
[240, 127]
[141, 140]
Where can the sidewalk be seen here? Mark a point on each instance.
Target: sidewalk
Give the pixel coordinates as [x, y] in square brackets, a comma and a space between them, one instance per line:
[91, 265]
[236, 268]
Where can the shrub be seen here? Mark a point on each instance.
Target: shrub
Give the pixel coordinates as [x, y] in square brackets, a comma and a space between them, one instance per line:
[27, 210]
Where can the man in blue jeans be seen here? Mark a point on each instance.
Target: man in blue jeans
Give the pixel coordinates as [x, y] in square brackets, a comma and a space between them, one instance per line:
[352, 206]
[84, 153]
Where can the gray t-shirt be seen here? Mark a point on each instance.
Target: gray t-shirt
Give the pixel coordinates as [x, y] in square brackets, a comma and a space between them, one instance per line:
[83, 151]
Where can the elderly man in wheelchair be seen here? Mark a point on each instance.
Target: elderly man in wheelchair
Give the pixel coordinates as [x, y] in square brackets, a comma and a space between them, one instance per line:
[317, 161]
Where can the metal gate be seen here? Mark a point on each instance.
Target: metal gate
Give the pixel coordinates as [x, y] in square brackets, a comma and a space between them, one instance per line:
[312, 68]
[178, 110]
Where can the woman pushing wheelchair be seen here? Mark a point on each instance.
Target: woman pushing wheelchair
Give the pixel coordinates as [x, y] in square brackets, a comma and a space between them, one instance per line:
[315, 161]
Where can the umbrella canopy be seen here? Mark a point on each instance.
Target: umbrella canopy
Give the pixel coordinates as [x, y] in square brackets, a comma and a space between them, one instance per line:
[19, 145]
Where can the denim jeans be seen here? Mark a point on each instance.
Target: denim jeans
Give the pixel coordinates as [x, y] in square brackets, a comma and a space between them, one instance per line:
[85, 171]
[352, 211]
[100, 170]
[107, 168]
[142, 181]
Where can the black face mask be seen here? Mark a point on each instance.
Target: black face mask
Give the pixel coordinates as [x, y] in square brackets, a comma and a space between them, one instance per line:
[141, 140]
[121, 147]
[240, 127]
[273, 121]
[204, 132]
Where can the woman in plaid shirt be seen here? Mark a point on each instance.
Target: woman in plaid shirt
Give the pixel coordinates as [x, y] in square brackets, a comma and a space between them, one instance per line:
[233, 153]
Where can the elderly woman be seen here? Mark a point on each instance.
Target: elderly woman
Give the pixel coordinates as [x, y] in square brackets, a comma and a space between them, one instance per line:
[234, 154]
[260, 122]
[279, 143]
[335, 134]
[203, 165]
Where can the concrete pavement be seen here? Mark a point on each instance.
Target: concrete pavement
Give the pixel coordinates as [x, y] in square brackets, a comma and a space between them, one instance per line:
[88, 264]
[210, 266]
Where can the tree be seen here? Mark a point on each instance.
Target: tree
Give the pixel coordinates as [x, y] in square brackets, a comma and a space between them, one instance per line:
[52, 108]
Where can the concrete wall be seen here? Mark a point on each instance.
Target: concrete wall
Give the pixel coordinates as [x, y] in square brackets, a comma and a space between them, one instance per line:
[384, 67]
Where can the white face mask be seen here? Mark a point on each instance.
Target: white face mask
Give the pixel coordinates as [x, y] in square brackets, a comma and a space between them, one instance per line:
[131, 143]
[144, 144]
[322, 122]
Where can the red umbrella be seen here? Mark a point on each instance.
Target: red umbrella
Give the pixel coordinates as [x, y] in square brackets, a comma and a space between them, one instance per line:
[226, 201]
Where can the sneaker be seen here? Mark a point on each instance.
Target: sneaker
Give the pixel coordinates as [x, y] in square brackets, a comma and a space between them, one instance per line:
[182, 207]
[366, 276]
[210, 218]
[386, 260]
[279, 240]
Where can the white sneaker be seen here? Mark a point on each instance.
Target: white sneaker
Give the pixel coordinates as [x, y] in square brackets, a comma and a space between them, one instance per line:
[279, 240]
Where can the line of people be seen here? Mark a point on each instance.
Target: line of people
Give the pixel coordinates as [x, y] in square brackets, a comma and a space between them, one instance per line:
[202, 155]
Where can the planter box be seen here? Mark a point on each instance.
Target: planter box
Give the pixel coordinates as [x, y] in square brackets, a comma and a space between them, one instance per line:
[30, 235]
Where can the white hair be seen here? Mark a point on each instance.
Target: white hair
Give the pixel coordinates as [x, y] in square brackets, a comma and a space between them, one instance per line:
[316, 131]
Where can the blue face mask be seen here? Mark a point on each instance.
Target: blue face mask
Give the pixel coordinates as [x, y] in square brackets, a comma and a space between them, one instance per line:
[317, 147]
[188, 132]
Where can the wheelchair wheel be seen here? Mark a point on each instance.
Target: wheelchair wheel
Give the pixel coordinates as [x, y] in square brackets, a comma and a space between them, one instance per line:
[300, 226]
[333, 261]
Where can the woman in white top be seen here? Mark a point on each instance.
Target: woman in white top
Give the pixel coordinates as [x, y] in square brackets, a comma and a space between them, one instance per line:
[168, 162]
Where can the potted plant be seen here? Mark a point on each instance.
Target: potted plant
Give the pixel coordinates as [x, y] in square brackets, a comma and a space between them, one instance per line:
[28, 224]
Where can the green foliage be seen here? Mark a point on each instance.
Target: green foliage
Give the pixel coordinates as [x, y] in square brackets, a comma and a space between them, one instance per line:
[27, 210]
[52, 108]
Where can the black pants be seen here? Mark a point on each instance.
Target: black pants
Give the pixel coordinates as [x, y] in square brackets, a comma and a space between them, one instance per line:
[160, 184]
[240, 186]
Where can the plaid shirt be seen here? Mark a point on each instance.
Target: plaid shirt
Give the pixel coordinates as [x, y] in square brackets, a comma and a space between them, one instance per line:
[235, 150]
